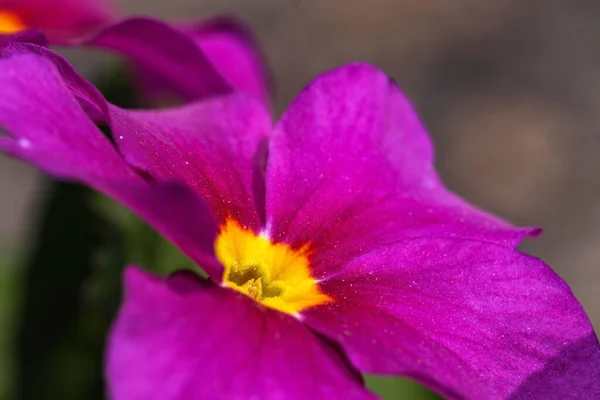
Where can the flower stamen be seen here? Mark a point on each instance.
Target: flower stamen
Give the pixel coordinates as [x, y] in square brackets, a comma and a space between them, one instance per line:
[254, 288]
[272, 274]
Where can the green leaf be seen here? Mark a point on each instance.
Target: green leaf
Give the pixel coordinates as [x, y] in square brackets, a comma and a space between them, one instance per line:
[392, 388]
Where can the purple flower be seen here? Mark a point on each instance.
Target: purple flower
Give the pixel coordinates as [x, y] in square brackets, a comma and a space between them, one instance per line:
[62, 20]
[189, 61]
[331, 245]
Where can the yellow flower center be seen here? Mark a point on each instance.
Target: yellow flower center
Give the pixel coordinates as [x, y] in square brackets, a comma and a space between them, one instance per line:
[10, 22]
[273, 274]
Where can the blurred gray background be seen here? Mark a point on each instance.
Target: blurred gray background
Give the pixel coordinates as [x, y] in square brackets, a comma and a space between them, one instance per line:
[510, 91]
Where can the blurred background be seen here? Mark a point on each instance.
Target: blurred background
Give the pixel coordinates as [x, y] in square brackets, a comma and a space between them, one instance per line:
[510, 91]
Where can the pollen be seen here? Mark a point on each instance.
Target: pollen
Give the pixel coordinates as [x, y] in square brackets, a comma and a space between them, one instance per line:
[272, 274]
[10, 22]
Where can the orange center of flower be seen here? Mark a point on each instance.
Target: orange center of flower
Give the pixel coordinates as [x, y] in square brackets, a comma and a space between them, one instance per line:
[10, 22]
[273, 274]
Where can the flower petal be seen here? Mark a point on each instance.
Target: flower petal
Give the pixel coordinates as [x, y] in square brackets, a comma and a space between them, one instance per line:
[470, 319]
[233, 51]
[189, 339]
[48, 128]
[208, 60]
[47, 123]
[216, 148]
[66, 20]
[27, 36]
[351, 168]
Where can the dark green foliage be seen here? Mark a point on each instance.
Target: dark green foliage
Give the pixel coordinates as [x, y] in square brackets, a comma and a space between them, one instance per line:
[63, 319]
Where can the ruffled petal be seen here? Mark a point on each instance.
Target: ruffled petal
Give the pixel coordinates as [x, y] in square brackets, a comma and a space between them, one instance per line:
[470, 319]
[39, 109]
[65, 21]
[213, 58]
[190, 339]
[351, 168]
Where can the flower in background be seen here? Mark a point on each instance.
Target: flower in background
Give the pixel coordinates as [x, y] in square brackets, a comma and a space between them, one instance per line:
[190, 61]
[331, 246]
[63, 21]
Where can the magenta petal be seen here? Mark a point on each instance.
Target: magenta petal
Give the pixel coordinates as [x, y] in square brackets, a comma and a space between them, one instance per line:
[179, 215]
[351, 168]
[34, 36]
[470, 319]
[232, 50]
[48, 128]
[48, 125]
[189, 339]
[207, 61]
[215, 147]
[577, 360]
[63, 21]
